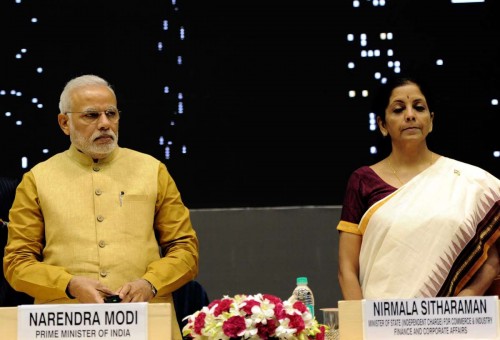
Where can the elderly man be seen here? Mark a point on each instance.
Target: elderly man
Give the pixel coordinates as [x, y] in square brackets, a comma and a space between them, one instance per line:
[98, 219]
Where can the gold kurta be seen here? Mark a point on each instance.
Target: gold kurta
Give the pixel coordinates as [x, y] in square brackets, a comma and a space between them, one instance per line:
[104, 220]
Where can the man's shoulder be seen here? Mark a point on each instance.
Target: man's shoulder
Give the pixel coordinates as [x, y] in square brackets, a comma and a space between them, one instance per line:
[49, 161]
[134, 154]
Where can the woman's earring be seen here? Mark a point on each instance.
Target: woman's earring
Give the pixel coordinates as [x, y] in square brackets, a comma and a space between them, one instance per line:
[384, 133]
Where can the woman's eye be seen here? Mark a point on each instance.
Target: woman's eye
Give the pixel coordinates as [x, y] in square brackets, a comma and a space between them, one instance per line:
[398, 110]
[420, 108]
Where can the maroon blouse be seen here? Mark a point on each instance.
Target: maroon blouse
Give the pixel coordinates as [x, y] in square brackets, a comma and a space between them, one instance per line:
[364, 188]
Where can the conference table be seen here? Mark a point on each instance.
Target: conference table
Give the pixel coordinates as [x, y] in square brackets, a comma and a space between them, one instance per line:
[159, 322]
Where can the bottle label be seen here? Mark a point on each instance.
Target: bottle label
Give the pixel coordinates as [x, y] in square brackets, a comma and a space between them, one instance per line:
[305, 296]
[311, 309]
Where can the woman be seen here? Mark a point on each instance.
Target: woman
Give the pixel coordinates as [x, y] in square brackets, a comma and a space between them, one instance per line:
[417, 224]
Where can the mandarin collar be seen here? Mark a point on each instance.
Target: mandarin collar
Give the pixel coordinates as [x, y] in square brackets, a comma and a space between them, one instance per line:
[86, 160]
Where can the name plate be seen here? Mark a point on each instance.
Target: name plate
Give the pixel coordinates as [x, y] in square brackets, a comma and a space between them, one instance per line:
[436, 318]
[89, 321]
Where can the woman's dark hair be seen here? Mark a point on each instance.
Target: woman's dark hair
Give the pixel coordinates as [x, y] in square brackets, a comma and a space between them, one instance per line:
[382, 95]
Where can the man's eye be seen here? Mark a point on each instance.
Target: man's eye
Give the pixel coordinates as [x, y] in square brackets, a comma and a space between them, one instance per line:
[92, 115]
[111, 113]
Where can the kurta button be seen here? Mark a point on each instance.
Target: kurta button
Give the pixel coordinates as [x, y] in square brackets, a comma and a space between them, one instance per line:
[100, 218]
[98, 192]
[103, 274]
[102, 244]
[96, 168]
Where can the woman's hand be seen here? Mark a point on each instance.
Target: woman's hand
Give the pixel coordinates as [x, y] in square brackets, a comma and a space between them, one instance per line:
[484, 277]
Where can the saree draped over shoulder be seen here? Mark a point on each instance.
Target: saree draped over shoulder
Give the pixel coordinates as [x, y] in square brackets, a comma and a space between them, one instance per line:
[429, 237]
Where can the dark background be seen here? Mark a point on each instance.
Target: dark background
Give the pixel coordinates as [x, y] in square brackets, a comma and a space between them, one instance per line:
[267, 119]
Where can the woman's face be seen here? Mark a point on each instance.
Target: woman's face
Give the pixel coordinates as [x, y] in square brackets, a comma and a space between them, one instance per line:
[407, 116]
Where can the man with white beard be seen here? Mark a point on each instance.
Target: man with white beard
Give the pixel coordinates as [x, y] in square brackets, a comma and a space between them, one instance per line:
[98, 220]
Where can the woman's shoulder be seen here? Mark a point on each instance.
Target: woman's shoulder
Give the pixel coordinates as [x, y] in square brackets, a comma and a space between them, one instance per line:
[365, 173]
[366, 178]
[468, 169]
[365, 170]
[471, 176]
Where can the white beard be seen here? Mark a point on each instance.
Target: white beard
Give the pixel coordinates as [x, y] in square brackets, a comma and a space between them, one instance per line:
[88, 145]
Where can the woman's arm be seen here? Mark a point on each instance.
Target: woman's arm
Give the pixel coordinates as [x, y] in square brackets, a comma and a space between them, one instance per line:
[349, 247]
[484, 276]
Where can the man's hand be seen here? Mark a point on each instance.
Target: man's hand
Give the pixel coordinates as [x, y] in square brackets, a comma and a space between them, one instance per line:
[136, 291]
[87, 290]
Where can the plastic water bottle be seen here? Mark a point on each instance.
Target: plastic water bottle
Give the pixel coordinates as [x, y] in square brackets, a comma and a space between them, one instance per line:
[304, 294]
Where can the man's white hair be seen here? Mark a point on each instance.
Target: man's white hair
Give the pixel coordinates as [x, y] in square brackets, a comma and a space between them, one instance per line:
[65, 103]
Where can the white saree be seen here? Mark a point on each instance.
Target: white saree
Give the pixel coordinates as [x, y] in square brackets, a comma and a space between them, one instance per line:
[430, 236]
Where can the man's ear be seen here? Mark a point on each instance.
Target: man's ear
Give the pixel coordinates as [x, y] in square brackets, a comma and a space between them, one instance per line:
[63, 121]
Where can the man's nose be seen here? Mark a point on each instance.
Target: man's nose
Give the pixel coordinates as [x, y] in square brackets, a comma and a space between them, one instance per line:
[103, 122]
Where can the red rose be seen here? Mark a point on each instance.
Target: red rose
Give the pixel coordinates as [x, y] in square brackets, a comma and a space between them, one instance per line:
[213, 303]
[296, 322]
[223, 306]
[199, 322]
[321, 334]
[280, 312]
[248, 306]
[274, 299]
[300, 306]
[234, 326]
[278, 305]
[267, 331]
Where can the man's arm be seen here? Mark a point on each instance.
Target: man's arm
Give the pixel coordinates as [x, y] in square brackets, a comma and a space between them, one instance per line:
[176, 237]
[22, 264]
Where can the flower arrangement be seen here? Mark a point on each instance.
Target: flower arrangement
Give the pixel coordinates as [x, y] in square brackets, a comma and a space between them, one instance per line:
[260, 316]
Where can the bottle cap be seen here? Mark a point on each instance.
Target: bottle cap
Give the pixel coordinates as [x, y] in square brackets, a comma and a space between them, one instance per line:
[302, 280]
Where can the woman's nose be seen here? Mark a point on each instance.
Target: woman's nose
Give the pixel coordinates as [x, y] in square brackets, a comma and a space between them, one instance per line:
[410, 115]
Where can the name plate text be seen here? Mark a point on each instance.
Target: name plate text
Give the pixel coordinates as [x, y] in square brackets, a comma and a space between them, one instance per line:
[88, 321]
[436, 318]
